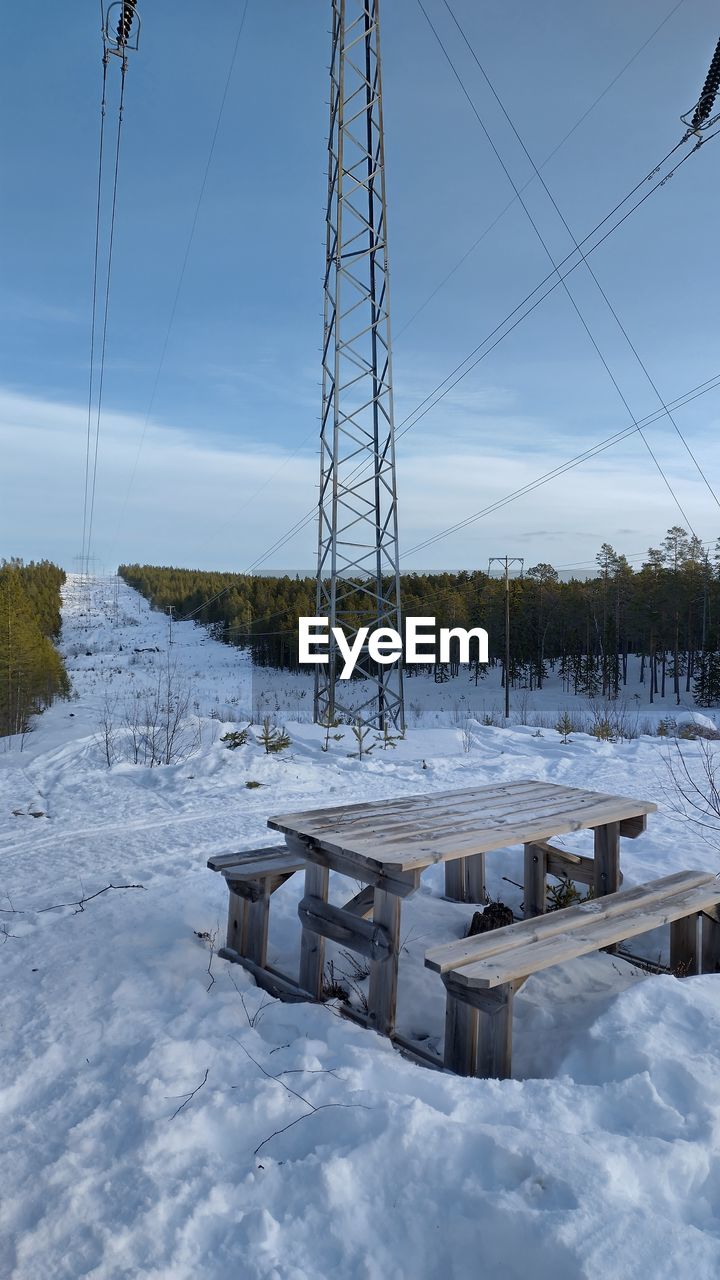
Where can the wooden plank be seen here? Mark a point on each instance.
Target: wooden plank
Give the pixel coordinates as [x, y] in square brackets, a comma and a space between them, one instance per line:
[333, 828]
[401, 883]
[404, 808]
[460, 1036]
[253, 890]
[362, 904]
[580, 869]
[561, 855]
[284, 862]
[607, 859]
[426, 825]
[631, 828]
[464, 951]
[481, 832]
[475, 878]
[312, 945]
[220, 861]
[416, 1052]
[365, 936]
[478, 796]
[257, 930]
[710, 938]
[685, 946]
[428, 816]
[535, 880]
[382, 994]
[236, 937]
[455, 880]
[417, 853]
[276, 984]
[597, 934]
[401, 804]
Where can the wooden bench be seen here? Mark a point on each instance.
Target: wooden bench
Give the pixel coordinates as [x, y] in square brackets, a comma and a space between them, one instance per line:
[252, 877]
[482, 973]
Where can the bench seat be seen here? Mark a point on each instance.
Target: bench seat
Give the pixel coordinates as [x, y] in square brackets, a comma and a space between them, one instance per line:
[482, 973]
[252, 877]
[273, 860]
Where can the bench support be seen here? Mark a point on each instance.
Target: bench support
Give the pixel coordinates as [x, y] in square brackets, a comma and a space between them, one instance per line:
[237, 924]
[312, 945]
[460, 1037]
[685, 947]
[710, 941]
[382, 994]
[478, 1030]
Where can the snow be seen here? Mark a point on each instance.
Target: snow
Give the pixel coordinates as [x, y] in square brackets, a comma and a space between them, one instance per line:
[599, 1159]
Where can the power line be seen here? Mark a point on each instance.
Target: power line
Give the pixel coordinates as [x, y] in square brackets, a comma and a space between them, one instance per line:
[588, 111]
[101, 377]
[546, 249]
[94, 296]
[625, 433]
[186, 256]
[441, 390]
[428, 403]
[612, 309]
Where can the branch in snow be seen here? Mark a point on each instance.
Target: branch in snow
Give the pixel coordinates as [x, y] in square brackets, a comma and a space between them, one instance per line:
[187, 1096]
[254, 1017]
[325, 1106]
[80, 902]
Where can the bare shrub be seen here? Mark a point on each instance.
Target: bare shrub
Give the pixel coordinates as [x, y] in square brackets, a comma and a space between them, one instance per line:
[157, 727]
[696, 797]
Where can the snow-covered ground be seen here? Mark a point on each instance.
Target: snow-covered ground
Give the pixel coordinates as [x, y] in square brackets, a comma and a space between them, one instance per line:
[311, 1148]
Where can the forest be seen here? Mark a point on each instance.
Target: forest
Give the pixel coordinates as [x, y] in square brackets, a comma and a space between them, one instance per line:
[32, 673]
[667, 612]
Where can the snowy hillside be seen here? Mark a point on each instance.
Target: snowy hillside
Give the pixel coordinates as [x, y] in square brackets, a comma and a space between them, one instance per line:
[163, 1118]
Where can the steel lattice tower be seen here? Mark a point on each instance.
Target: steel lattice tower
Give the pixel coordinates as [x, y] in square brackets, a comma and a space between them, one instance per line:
[358, 577]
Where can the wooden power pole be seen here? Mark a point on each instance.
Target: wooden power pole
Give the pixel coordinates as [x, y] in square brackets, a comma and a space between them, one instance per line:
[506, 561]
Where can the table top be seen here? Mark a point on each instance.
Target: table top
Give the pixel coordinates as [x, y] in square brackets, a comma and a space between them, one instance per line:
[412, 832]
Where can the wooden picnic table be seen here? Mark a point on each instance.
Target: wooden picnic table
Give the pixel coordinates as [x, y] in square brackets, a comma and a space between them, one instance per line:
[387, 844]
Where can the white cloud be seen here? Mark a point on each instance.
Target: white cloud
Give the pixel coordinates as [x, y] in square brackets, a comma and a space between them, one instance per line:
[200, 502]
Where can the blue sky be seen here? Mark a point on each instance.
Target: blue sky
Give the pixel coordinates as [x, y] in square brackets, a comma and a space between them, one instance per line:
[223, 469]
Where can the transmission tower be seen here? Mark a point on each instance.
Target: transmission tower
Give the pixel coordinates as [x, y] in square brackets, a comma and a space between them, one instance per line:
[358, 576]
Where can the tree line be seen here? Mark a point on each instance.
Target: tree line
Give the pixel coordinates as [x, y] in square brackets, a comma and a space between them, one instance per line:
[32, 673]
[667, 612]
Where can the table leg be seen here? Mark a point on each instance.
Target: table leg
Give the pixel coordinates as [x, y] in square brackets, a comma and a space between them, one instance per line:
[475, 878]
[455, 880]
[312, 945]
[535, 880]
[465, 878]
[382, 996]
[607, 859]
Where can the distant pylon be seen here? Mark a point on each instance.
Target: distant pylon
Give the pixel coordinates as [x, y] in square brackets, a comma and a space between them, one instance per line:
[358, 577]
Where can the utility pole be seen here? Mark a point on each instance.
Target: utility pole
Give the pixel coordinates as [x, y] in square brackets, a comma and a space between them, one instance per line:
[506, 561]
[170, 611]
[358, 573]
